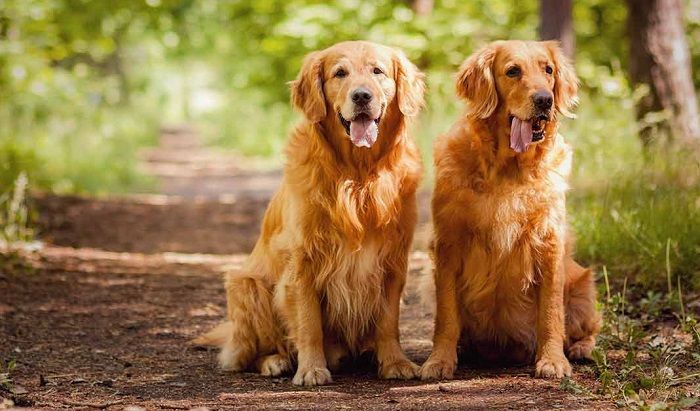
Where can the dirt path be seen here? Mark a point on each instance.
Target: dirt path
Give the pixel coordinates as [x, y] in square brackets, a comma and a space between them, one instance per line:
[207, 202]
[106, 324]
[100, 328]
[185, 168]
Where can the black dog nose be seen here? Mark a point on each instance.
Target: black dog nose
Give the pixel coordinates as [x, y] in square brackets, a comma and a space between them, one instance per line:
[543, 99]
[361, 96]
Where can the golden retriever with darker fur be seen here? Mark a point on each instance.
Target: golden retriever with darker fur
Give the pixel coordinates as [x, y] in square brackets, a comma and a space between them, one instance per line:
[326, 275]
[507, 288]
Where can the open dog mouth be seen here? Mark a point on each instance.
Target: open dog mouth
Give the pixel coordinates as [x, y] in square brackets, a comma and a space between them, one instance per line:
[525, 132]
[362, 129]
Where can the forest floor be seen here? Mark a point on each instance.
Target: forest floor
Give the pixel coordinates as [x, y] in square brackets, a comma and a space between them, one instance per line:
[100, 312]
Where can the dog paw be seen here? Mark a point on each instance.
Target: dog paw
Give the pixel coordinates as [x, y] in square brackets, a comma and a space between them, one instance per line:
[553, 367]
[312, 376]
[274, 365]
[438, 369]
[233, 360]
[581, 349]
[401, 369]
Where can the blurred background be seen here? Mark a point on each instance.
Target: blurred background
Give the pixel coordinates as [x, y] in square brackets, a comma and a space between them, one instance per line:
[85, 85]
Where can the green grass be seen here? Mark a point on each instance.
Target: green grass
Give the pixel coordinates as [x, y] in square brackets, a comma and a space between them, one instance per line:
[648, 353]
[630, 225]
[5, 371]
[83, 152]
[629, 207]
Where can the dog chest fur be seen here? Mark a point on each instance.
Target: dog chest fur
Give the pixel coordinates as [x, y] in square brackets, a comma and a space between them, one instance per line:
[500, 274]
[348, 277]
[499, 294]
[352, 292]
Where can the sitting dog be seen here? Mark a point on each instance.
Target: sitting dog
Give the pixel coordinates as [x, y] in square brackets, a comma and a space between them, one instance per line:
[505, 279]
[326, 275]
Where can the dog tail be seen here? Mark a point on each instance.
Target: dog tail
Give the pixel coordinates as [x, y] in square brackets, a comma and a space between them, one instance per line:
[216, 337]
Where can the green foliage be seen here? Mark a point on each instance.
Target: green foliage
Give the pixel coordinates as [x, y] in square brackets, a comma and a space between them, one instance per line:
[261, 46]
[68, 107]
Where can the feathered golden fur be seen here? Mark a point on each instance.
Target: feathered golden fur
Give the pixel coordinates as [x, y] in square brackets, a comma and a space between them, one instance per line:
[506, 284]
[326, 275]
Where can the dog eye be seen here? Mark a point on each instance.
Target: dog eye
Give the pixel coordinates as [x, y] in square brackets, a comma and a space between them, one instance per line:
[377, 70]
[513, 72]
[341, 73]
[548, 69]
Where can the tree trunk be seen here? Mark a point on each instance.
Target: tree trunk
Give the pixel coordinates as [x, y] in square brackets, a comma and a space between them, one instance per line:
[659, 57]
[422, 7]
[556, 23]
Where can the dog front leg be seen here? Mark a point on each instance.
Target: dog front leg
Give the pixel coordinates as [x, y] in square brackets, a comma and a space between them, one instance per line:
[551, 361]
[308, 333]
[393, 363]
[443, 359]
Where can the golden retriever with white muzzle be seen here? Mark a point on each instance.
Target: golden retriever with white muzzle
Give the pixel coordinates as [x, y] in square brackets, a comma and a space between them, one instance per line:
[325, 277]
[505, 281]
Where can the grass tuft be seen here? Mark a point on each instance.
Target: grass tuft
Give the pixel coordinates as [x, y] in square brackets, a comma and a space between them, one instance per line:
[648, 354]
[14, 212]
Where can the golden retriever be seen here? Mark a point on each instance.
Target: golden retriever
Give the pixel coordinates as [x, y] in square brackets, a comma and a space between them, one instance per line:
[325, 277]
[505, 281]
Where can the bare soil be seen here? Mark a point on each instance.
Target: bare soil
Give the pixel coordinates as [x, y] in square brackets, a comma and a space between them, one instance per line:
[96, 329]
[100, 315]
[149, 224]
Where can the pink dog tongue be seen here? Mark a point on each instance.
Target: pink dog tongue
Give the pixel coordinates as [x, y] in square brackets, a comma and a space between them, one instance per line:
[363, 132]
[520, 135]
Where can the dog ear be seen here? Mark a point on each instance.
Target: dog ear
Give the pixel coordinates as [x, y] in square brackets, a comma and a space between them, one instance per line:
[410, 85]
[307, 88]
[565, 80]
[476, 83]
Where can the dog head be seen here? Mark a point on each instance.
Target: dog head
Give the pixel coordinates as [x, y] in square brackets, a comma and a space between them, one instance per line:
[354, 86]
[524, 84]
